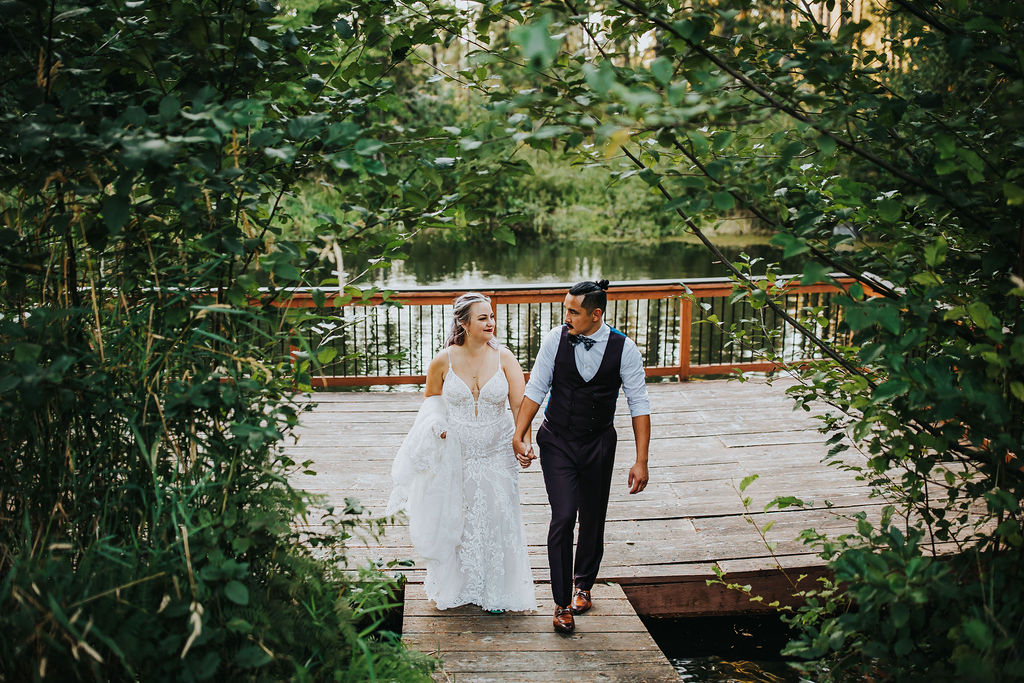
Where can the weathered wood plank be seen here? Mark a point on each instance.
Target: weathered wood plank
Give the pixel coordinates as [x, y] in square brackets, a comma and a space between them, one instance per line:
[578, 659]
[636, 673]
[610, 642]
[527, 623]
[542, 639]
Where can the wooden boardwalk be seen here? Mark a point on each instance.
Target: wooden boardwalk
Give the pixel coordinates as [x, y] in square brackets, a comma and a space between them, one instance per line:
[660, 545]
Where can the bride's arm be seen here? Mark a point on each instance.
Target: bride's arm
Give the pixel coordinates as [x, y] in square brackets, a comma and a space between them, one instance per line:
[435, 383]
[435, 375]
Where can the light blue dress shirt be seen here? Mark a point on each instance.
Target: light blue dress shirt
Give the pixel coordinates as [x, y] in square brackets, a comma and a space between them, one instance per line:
[631, 368]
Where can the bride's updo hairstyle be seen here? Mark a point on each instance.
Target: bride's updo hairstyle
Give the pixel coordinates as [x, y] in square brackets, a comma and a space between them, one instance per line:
[460, 317]
[594, 294]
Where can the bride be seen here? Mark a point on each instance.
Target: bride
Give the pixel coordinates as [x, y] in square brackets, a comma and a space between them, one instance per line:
[456, 476]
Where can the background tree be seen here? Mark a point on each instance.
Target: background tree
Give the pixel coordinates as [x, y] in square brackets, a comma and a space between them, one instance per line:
[148, 150]
[885, 147]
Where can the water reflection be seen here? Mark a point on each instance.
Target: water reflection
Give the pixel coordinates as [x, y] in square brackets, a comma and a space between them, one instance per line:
[726, 649]
[718, 670]
[475, 266]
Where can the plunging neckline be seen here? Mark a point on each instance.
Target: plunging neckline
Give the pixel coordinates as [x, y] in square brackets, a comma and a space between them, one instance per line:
[475, 396]
[482, 386]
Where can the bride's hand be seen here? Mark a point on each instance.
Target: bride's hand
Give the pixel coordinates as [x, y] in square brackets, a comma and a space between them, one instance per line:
[524, 452]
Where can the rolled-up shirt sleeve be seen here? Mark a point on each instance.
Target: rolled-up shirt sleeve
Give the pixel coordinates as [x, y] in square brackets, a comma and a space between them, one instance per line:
[631, 370]
[544, 367]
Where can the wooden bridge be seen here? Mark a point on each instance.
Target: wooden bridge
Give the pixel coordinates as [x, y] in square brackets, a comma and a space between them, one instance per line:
[661, 545]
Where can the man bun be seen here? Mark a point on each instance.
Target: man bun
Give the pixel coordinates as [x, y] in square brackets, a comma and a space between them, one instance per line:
[593, 294]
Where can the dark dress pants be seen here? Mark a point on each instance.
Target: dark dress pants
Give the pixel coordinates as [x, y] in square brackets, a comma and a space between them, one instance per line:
[578, 478]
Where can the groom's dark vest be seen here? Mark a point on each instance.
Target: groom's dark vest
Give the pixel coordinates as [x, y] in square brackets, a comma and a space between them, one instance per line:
[583, 408]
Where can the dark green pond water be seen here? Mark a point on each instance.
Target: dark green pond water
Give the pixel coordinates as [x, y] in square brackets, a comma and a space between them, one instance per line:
[732, 649]
[477, 266]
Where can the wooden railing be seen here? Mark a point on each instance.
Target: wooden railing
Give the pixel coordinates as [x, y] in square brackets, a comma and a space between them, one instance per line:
[390, 341]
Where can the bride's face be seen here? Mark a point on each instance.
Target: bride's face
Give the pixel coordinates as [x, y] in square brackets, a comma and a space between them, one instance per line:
[481, 322]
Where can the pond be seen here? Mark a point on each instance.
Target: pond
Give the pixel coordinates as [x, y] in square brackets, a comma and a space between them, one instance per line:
[726, 649]
[478, 266]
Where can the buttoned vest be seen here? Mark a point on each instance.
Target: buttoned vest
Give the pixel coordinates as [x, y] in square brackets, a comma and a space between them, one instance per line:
[583, 408]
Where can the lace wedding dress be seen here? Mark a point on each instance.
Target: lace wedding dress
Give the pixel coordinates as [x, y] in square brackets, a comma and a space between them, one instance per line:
[491, 568]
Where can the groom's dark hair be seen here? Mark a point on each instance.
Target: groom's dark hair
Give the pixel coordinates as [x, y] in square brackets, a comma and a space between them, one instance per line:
[593, 294]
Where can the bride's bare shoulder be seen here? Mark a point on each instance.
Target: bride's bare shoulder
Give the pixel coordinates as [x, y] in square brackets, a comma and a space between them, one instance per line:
[508, 359]
[440, 361]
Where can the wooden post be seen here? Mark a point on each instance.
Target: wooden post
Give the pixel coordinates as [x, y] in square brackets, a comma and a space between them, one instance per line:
[685, 322]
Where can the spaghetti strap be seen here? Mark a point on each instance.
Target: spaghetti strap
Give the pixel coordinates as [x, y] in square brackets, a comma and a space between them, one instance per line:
[448, 350]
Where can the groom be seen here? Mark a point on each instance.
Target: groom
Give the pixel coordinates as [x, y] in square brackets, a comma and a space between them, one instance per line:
[583, 363]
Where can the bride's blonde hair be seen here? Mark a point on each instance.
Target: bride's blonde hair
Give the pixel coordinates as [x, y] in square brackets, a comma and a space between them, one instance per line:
[460, 316]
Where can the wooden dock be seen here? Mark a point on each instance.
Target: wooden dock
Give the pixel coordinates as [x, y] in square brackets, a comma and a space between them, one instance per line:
[660, 545]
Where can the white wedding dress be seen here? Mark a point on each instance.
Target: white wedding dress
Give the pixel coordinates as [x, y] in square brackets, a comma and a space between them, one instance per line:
[490, 568]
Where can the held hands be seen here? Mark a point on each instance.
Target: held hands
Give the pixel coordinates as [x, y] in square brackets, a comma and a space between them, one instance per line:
[524, 452]
[637, 477]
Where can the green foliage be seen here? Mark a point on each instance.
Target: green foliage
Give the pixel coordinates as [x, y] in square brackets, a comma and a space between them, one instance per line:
[887, 149]
[150, 531]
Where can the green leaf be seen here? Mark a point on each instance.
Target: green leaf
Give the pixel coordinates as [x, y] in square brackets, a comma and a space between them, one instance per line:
[747, 481]
[699, 140]
[26, 352]
[650, 177]
[505, 234]
[935, 253]
[945, 144]
[813, 273]
[694, 29]
[115, 213]
[889, 390]
[326, 355]
[536, 44]
[601, 78]
[722, 139]
[367, 146]
[260, 44]
[344, 29]
[888, 317]
[903, 647]
[890, 210]
[971, 158]
[826, 145]
[1018, 390]
[661, 69]
[286, 271]
[237, 593]
[791, 245]
[981, 314]
[169, 107]
[723, 201]
[1014, 194]
[251, 657]
[978, 633]
[239, 625]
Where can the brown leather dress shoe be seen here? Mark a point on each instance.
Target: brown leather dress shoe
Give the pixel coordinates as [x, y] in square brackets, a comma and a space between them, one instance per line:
[563, 621]
[581, 601]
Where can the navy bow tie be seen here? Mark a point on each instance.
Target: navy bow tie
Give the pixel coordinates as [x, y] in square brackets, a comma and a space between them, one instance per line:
[587, 342]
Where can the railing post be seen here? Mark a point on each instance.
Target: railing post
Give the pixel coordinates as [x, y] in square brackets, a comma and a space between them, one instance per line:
[685, 321]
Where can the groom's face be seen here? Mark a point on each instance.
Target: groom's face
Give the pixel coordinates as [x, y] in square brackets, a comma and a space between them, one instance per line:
[577, 319]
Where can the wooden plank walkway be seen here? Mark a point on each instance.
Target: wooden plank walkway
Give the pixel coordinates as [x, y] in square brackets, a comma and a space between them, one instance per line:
[660, 546]
[610, 642]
